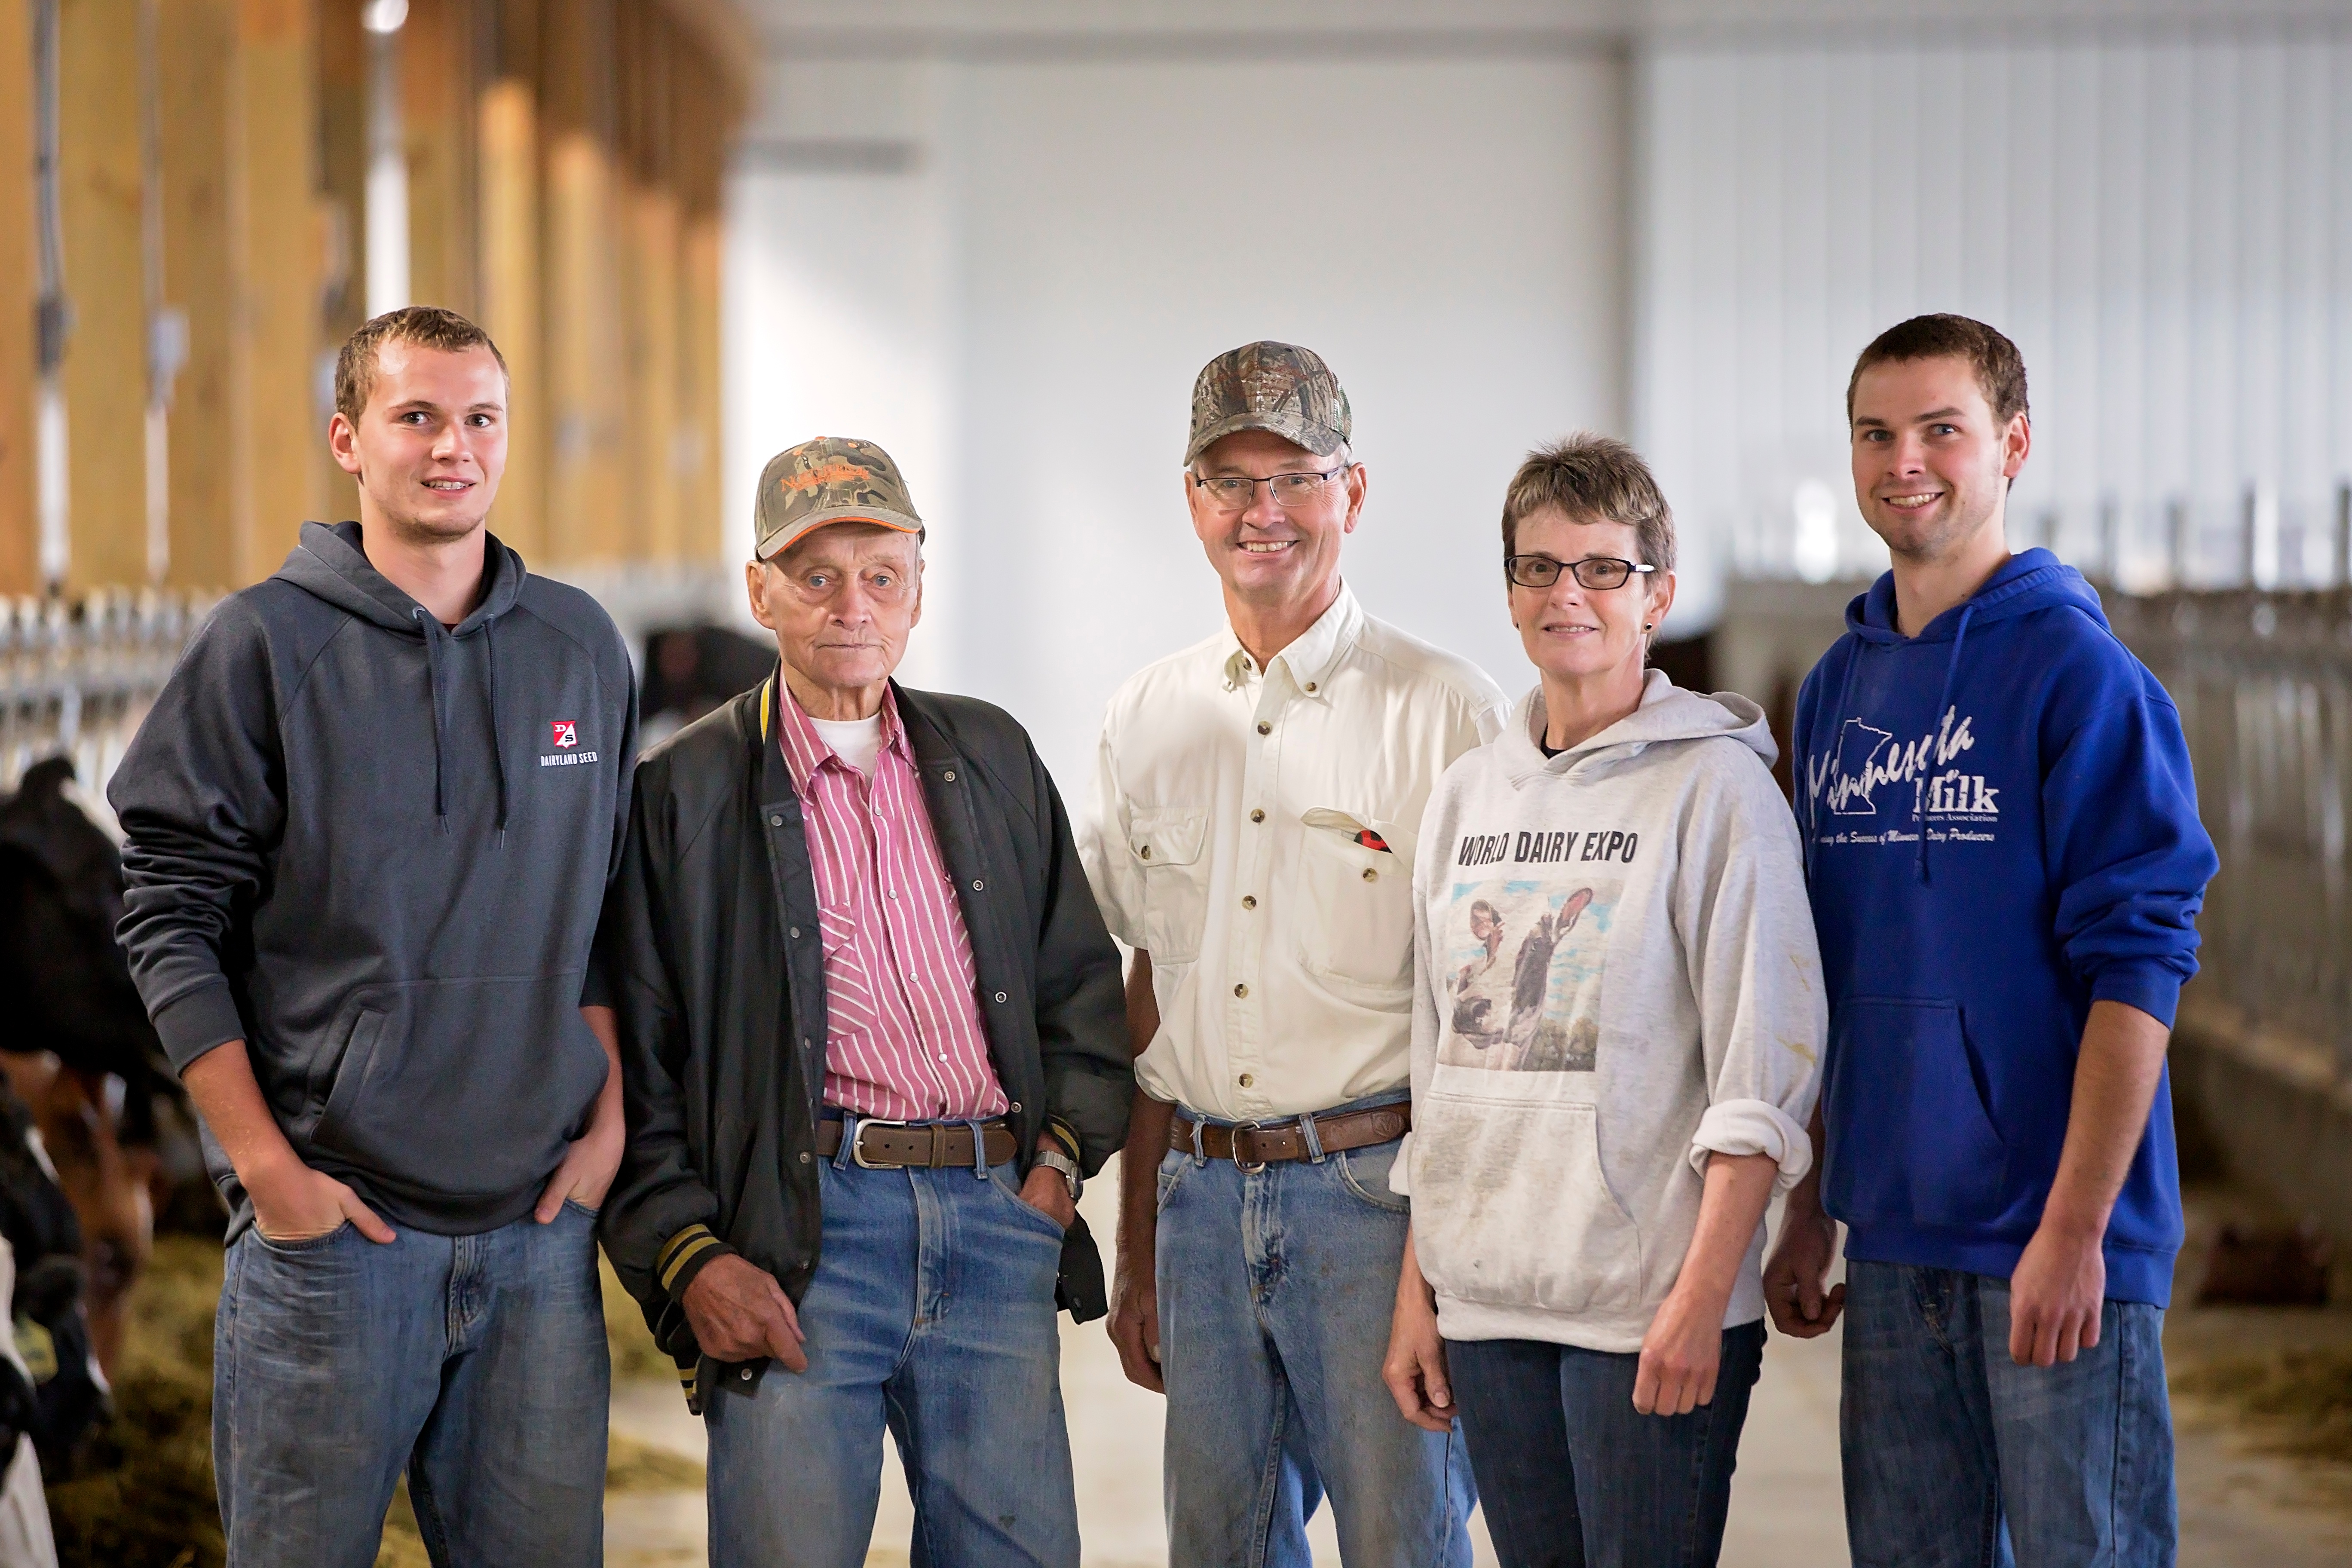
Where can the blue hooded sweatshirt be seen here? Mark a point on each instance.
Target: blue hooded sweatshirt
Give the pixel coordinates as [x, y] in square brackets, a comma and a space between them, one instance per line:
[2000, 828]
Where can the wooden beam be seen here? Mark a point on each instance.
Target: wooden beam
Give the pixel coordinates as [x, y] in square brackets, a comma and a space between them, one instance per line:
[586, 382]
[198, 46]
[101, 185]
[341, 160]
[511, 304]
[704, 111]
[438, 88]
[19, 525]
[705, 532]
[278, 254]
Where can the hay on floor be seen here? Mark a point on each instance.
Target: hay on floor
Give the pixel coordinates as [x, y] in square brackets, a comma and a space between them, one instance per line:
[148, 1500]
[2297, 1401]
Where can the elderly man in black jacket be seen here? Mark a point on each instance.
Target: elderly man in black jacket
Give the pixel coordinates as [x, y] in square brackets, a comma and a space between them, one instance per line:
[872, 1037]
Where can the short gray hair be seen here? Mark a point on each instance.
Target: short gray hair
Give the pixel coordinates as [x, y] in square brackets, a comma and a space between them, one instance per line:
[1592, 479]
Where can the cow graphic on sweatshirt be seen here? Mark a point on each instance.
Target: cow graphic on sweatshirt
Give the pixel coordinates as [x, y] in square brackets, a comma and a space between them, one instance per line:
[1523, 961]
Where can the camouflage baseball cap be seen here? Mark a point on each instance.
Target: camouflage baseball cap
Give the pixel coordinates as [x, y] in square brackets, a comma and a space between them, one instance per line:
[830, 479]
[1279, 387]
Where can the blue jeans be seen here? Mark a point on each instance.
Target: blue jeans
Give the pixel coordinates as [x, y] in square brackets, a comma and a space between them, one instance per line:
[1275, 1293]
[932, 1314]
[1957, 1457]
[475, 1362]
[1574, 1477]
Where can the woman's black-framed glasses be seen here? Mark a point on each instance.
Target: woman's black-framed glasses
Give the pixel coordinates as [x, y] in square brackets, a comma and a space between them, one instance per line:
[1231, 492]
[1598, 572]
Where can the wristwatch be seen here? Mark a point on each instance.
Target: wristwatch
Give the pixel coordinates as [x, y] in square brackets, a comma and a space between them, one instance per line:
[1055, 1159]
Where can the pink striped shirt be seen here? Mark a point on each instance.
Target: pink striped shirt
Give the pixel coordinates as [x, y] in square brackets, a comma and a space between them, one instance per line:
[904, 1038]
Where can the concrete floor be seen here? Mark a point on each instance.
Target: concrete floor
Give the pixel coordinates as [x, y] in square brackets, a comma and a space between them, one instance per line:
[2240, 1508]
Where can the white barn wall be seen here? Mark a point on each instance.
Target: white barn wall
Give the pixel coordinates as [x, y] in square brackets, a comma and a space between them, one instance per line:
[1019, 309]
[2161, 219]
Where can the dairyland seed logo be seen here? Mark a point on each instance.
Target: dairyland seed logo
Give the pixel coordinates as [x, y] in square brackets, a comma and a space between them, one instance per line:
[1847, 778]
[564, 735]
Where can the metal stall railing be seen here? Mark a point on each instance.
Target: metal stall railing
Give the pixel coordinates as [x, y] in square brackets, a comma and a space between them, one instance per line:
[76, 676]
[2264, 681]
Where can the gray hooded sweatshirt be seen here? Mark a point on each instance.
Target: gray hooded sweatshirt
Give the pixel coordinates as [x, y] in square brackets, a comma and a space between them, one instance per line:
[375, 848]
[1616, 977]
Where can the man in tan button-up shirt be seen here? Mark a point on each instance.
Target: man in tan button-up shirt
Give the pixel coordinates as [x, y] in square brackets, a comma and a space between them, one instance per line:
[1258, 797]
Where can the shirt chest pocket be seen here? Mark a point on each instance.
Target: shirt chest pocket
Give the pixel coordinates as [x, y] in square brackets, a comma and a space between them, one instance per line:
[1358, 903]
[1166, 845]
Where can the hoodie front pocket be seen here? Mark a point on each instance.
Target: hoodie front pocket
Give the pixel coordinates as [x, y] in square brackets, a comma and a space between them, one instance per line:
[1908, 1138]
[1357, 877]
[463, 1088]
[1510, 1207]
[351, 1070]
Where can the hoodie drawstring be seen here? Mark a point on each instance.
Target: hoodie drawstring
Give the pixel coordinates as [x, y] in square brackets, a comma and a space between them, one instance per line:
[434, 634]
[497, 735]
[1943, 702]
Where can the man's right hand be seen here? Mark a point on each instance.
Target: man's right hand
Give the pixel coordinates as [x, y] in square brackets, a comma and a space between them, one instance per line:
[1134, 1318]
[1800, 1262]
[738, 1312]
[292, 1202]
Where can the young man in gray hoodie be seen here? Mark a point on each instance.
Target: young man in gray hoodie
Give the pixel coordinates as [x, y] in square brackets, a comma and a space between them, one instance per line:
[370, 823]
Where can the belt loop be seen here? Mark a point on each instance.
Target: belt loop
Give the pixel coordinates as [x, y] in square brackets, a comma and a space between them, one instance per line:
[1314, 1138]
[1200, 1142]
[979, 1151]
[846, 1155]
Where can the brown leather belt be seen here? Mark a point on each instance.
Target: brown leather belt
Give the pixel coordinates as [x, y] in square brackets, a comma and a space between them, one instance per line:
[921, 1145]
[1254, 1147]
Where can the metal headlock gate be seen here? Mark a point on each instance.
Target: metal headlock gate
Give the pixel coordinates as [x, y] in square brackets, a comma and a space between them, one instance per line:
[2264, 681]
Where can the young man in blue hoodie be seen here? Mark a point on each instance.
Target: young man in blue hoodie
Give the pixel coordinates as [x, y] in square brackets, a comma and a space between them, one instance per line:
[2006, 863]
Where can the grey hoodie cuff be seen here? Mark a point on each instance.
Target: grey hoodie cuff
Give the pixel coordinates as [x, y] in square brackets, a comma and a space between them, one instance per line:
[1739, 1127]
[195, 1021]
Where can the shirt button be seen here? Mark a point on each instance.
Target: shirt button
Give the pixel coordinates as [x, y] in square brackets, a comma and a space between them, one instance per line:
[1249, 902]
[1371, 875]
[1248, 1079]
[1263, 727]
[949, 775]
[775, 819]
[1310, 686]
[796, 932]
[804, 1159]
[890, 892]
[1257, 815]
[1145, 852]
[977, 885]
[1242, 990]
[999, 996]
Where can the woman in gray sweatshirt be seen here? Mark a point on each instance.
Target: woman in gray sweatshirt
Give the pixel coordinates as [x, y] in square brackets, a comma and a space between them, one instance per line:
[1617, 1023]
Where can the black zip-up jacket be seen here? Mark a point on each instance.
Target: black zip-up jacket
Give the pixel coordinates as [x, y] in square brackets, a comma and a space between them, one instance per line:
[375, 850]
[711, 955]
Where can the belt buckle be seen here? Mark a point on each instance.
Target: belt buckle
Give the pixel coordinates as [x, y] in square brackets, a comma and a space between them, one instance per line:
[1240, 1128]
[858, 1144]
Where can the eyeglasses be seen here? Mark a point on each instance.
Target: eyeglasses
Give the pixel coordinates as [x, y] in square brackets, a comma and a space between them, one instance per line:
[1231, 492]
[1594, 572]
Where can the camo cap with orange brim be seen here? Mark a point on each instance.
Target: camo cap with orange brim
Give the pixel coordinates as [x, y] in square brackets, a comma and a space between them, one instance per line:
[834, 478]
[1276, 387]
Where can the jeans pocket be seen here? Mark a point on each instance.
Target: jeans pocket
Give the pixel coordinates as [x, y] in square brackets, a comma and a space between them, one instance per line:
[1028, 1211]
[302, 1246]
[1365, 1174]
[1173, 1166]
[576, 1207]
